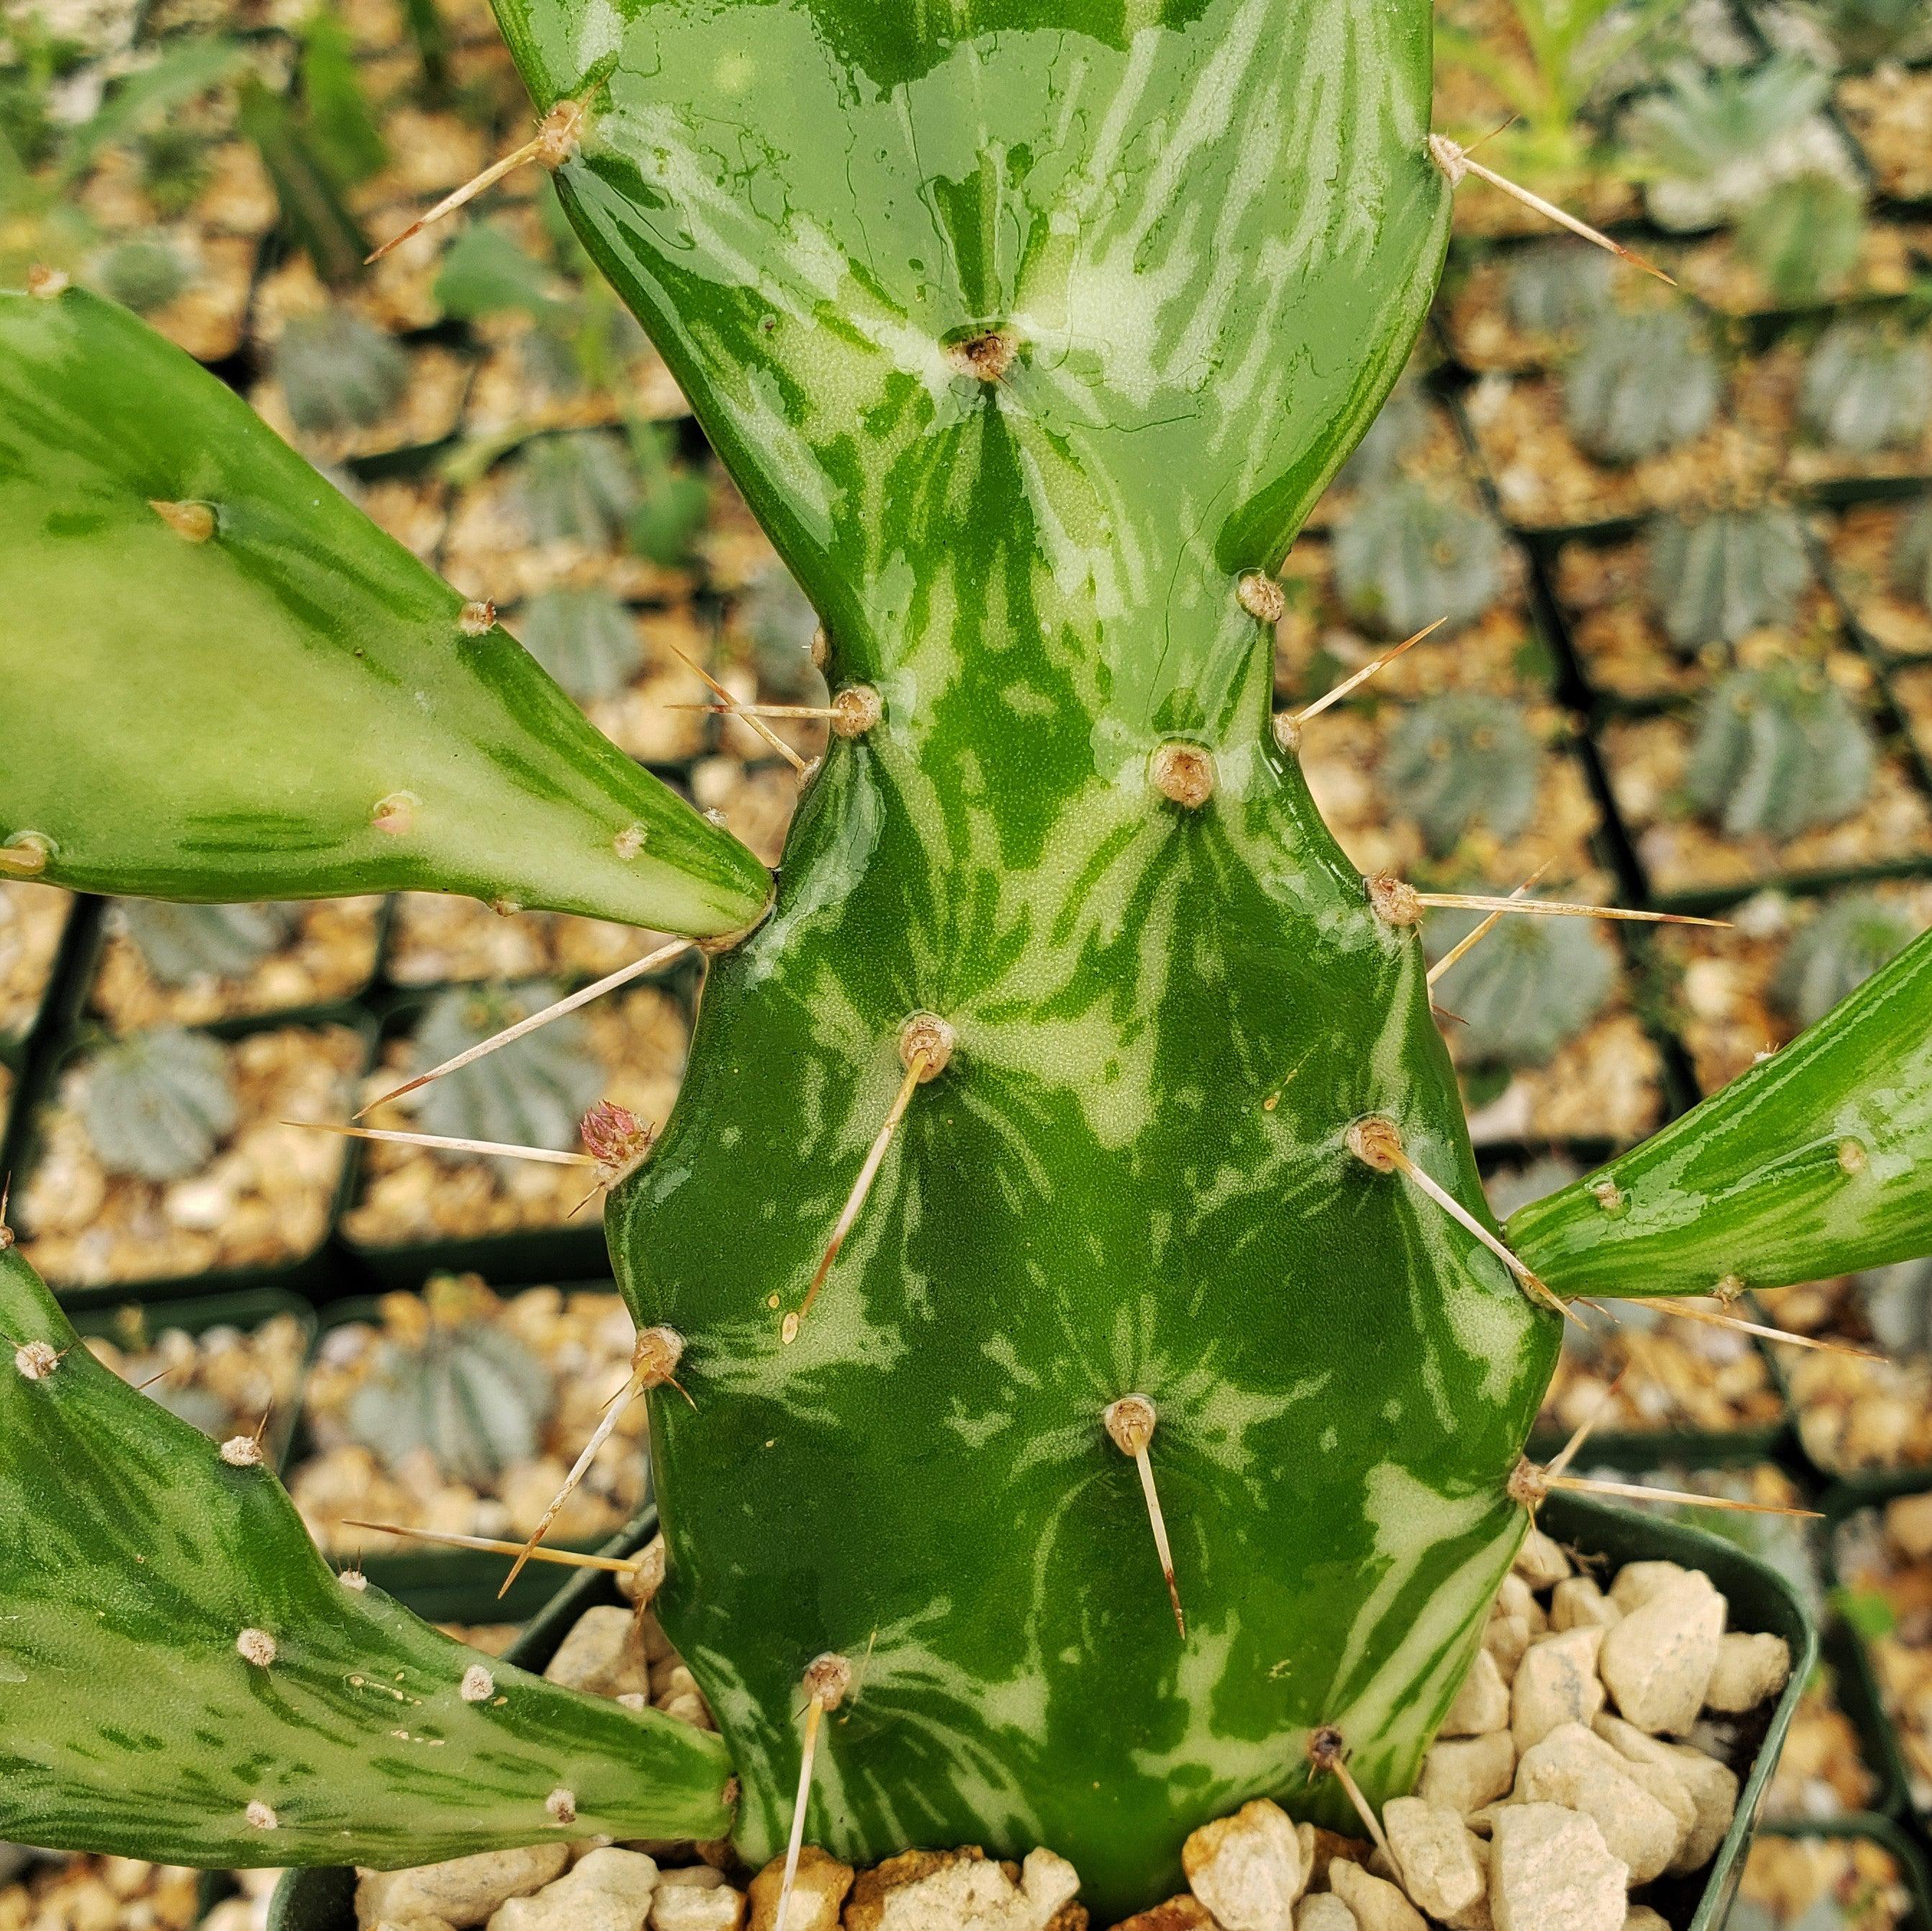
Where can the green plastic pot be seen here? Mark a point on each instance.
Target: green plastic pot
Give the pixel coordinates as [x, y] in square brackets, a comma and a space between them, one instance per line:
[324, 1899]
[1883, 1831]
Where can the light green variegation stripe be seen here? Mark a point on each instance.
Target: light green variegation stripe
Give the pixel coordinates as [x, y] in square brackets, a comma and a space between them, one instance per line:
[136, 1564]
[1813, 1163]
[278, 700]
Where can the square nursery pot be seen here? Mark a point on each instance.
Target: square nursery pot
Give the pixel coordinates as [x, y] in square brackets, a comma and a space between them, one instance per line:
[323, 1899]
[1864, 1827]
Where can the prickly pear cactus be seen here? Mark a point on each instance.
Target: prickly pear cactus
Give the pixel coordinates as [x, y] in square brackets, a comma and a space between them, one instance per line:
[584, 638]
[1778, 752]
[1406, 557]
[1552, 287]
[339, 372]
[531, 1093]
[471, 1395]
[1640, 384]
[182, 944]
[1866, 387]
[1715, 578]
[1531, 986]
[155, 1106]
[1911, 556]
[1836, 951]
[1461, 760]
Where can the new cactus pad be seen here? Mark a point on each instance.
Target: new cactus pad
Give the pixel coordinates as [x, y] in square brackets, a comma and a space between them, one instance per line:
[1074, 1132]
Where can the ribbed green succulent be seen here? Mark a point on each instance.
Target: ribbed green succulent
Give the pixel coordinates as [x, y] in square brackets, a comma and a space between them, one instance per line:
[1406, 557]
[1867, 388]
[577, 486]
[1835, 951]
[473, 1395]
[181, 944]
[156, 1105]
[1640, 384]
[1912, 555]
[584, 638]
[1779, 752]
[1804, 237]
[143, 275]
[1463, 759]
[784, 629]
[338, 372]
[1551, 288]
[532, 1092]
[1030, 331]
[1524, 989]
[673, 500]
[1716, 577]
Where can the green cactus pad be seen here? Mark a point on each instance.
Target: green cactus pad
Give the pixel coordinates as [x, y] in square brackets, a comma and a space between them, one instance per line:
[1405, 558]
[182, 944]
[1463, 759]
[156, 1106]
[269, 698]
[1811, 1164]
[1778, 751]
[1715, 578]
[138, 1561]
[1639, 385]
[531, 1093]
[1526, 989]
[1867, 388]
[1848, 941]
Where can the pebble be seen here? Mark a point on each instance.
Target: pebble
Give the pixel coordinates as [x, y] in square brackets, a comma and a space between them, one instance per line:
[1435, 1854]
[1658, 1661]
[1712, 1787]
[1466, 1773]
[1749, 1669]
[1576, 1768]
[1324, 1911]
[1556, 1682]
[964, 1891]
[1482, 1703]
[1642, 1918]
[697, 1900]
[1376, 1904]
[464, 1891]
[1637, 1582]
[1550, 1870]
[1578, 1602]
[604, 1653]
[1247, 1869]
[1184, 1913]
[608, 1890]
[817, 1894]
[1540, 1561]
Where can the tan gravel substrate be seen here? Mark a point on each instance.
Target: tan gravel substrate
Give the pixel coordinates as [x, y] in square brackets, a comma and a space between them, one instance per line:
[32, 918]
[330, 955]
[88, 1893]
[264, 1199]
[1683, 1377]
[1887, 1553]
[1889, 112]
[1603, 589]
[756, 802]
[584, 1338]
[504, 398]
[439, 940]
[1794, 1879]
[432, 401]
[1715, 272]
[1863, 541]
[408, 1194]
[1606, 1083]
[1476, 319]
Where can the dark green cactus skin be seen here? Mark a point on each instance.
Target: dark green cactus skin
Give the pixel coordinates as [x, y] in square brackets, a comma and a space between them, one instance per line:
[1639, 385]
[1132, 1175]
[1716, 578]
[1778, 752]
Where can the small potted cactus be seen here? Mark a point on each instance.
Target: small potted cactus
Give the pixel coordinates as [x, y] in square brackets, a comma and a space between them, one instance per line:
[1069, 1169]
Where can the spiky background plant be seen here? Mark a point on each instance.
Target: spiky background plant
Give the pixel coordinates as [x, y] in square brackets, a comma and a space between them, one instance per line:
[1030, 329]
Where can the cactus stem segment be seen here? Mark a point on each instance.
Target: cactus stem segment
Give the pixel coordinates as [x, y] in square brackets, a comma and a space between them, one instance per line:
[1468, 943]
[492, 1149]
[1261, 596]
[1376, 1143]
[1557, 908]
[1454, 161]
[827, 1680]
[193, 523]
[609, 982]
[47, 283]
[1183, 773]
[1329, 1756]
[554, 142]
[1380, 662]
[758, 723]
[654, 1362]
[1686, 1311]
[566, 1558]
[925, 1045]
[1130, 1423]
[477, 618]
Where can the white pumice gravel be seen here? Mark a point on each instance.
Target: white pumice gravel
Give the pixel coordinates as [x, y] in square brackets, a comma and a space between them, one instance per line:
[1247, 1869]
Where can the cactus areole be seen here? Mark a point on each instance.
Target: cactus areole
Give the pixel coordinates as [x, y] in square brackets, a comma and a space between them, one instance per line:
[1094, 1353]
[1027, 329]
